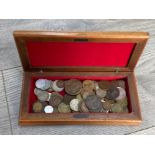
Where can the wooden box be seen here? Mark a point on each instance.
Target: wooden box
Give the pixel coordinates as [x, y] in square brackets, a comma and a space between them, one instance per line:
[81, 55]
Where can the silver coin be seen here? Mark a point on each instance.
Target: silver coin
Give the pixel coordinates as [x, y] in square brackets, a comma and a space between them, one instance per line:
[75, 104]
[48, 109]
[43, 84]
[122, 93]
[37, 91]
[43, 96]
[55, 87]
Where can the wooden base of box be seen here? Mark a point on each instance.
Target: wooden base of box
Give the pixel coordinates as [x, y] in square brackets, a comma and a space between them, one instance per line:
[131, 118]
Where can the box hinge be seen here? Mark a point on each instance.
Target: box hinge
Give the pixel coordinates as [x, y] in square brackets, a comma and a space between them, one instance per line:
[116, 70]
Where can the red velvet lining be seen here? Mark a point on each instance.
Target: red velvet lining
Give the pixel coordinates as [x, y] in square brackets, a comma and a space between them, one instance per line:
[79, 53]
[33, 98]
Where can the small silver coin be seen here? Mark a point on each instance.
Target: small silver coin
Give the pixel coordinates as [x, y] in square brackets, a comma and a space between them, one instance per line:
[48, 109]
[56, 88]
[122, 94]
[75, 104]
[43, 84]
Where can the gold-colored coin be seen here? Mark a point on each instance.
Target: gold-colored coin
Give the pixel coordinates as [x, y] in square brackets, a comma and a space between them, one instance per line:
[64, 108]
[37, 107]
[89, 84]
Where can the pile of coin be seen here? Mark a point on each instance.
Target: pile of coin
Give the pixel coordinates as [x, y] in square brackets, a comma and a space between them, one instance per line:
[80, 96]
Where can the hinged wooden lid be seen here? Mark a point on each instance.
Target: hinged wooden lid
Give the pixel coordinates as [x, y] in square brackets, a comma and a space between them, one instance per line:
[79, 51]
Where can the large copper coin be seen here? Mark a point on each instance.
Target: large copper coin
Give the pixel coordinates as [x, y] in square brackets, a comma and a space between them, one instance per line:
[73, 86]
[55, 99]
[93, 103]
[64, 108]
[112, 93]
[67, 98]
[37, 107]
[89, 84]
[104, 84]
[83, 107]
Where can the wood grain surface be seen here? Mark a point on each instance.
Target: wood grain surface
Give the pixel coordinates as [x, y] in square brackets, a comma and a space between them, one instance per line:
[11, 75]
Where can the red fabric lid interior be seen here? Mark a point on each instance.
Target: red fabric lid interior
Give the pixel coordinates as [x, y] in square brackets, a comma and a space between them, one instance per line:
[79, 53]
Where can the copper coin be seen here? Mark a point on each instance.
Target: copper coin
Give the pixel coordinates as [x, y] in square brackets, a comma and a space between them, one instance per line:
[55, 99]
[73, 86]
[101, 93]
[117, 108]
[118, 83]
[89, 84]
[104, 84]
[93, 103]
[64, 108]
[112, 93]
[83, 107]
[37, 107]
[67, 98]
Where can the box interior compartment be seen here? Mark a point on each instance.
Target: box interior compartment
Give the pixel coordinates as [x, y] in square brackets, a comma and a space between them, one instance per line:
[33, 97]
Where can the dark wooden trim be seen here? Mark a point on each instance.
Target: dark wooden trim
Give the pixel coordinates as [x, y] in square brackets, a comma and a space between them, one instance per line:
[133, 118]
[135, 37]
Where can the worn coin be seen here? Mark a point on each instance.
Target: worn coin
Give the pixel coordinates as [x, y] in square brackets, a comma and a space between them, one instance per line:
[96, 85]
[122, 93]
[104, 84]
[112, 93]
[116, 108]
[43, 84]
[73, 86]
[37, 107]
[67, 98]
[101, 93]
[83, 107]
[48, 109]
[75, 105]
[79, 97]
[60, 83]
[86, 91]
[107, 105]
[64, 108]
[118, 83]
[55, 99]
[93, 103]
[43, 96]
[56, 87]
[89, 84]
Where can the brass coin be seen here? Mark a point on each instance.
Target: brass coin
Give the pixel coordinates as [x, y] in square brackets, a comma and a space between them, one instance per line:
[93, 103]
[117, 108]
[83, 107]
[73, 86]
[67, 98]
[64, 108]
[55, 99]
[104, 84]
[37, 107]
[89, 84]
[101, 93]
[112, 93]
